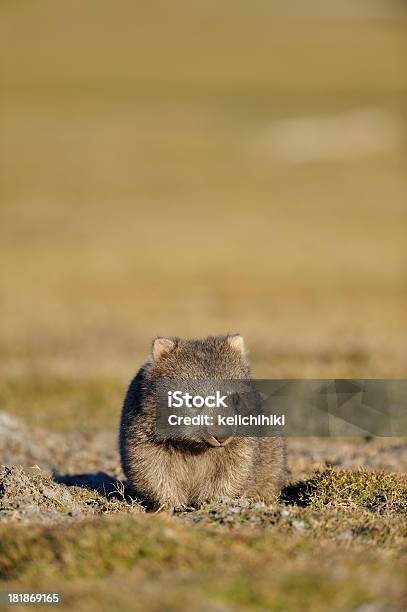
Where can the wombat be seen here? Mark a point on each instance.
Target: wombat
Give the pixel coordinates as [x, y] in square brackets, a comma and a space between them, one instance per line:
[176, 474]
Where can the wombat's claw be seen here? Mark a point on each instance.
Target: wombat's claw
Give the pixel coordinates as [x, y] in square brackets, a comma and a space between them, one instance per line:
[183, 508]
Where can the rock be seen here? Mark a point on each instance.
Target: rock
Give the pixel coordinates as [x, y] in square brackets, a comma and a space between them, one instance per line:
[298, 525]
[345, 535]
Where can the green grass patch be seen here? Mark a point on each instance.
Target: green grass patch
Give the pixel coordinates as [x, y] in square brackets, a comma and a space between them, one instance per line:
[165, 562]
[98, 547]
[364, 489]
[63, 404]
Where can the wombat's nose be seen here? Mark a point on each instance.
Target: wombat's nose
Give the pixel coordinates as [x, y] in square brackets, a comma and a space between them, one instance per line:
[217, 441]
[223, 440]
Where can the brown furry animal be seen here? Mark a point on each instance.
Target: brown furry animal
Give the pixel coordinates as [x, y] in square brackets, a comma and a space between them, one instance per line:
[173, 474]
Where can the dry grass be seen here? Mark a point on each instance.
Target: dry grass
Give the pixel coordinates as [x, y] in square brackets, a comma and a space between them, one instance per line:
[142, 194]
[373, 491]
[264, 552]
[83, 535]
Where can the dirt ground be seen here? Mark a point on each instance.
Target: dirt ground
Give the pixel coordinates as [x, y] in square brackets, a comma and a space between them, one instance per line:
[68, 524]
[69, 462]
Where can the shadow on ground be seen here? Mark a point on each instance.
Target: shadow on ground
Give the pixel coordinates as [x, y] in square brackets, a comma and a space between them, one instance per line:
[103, 483]
[112, 488]
[297, 494]
[98, 481]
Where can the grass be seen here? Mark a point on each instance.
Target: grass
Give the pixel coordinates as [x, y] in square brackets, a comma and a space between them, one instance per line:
[58, 402]
[142, 194]
[95, 547]
[266, 566]
[373, 491]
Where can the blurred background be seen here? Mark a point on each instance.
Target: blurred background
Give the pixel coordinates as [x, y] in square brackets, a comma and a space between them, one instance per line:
[197, 167]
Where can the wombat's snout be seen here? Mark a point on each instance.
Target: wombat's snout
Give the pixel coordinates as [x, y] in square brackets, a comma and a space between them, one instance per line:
[218, 440]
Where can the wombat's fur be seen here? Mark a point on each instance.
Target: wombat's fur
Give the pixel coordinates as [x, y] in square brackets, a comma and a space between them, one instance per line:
[177, 475]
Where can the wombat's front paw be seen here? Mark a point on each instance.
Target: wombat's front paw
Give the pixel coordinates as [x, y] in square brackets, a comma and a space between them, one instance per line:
[184, 508]
[173, 507]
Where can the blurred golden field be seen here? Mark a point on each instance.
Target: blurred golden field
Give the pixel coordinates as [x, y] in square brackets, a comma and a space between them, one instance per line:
[151, 185]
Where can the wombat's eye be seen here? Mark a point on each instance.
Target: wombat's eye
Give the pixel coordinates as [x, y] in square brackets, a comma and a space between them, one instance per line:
[235, 400]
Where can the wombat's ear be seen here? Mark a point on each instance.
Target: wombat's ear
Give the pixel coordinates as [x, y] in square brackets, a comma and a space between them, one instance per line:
[162, 346]
[236, 342]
